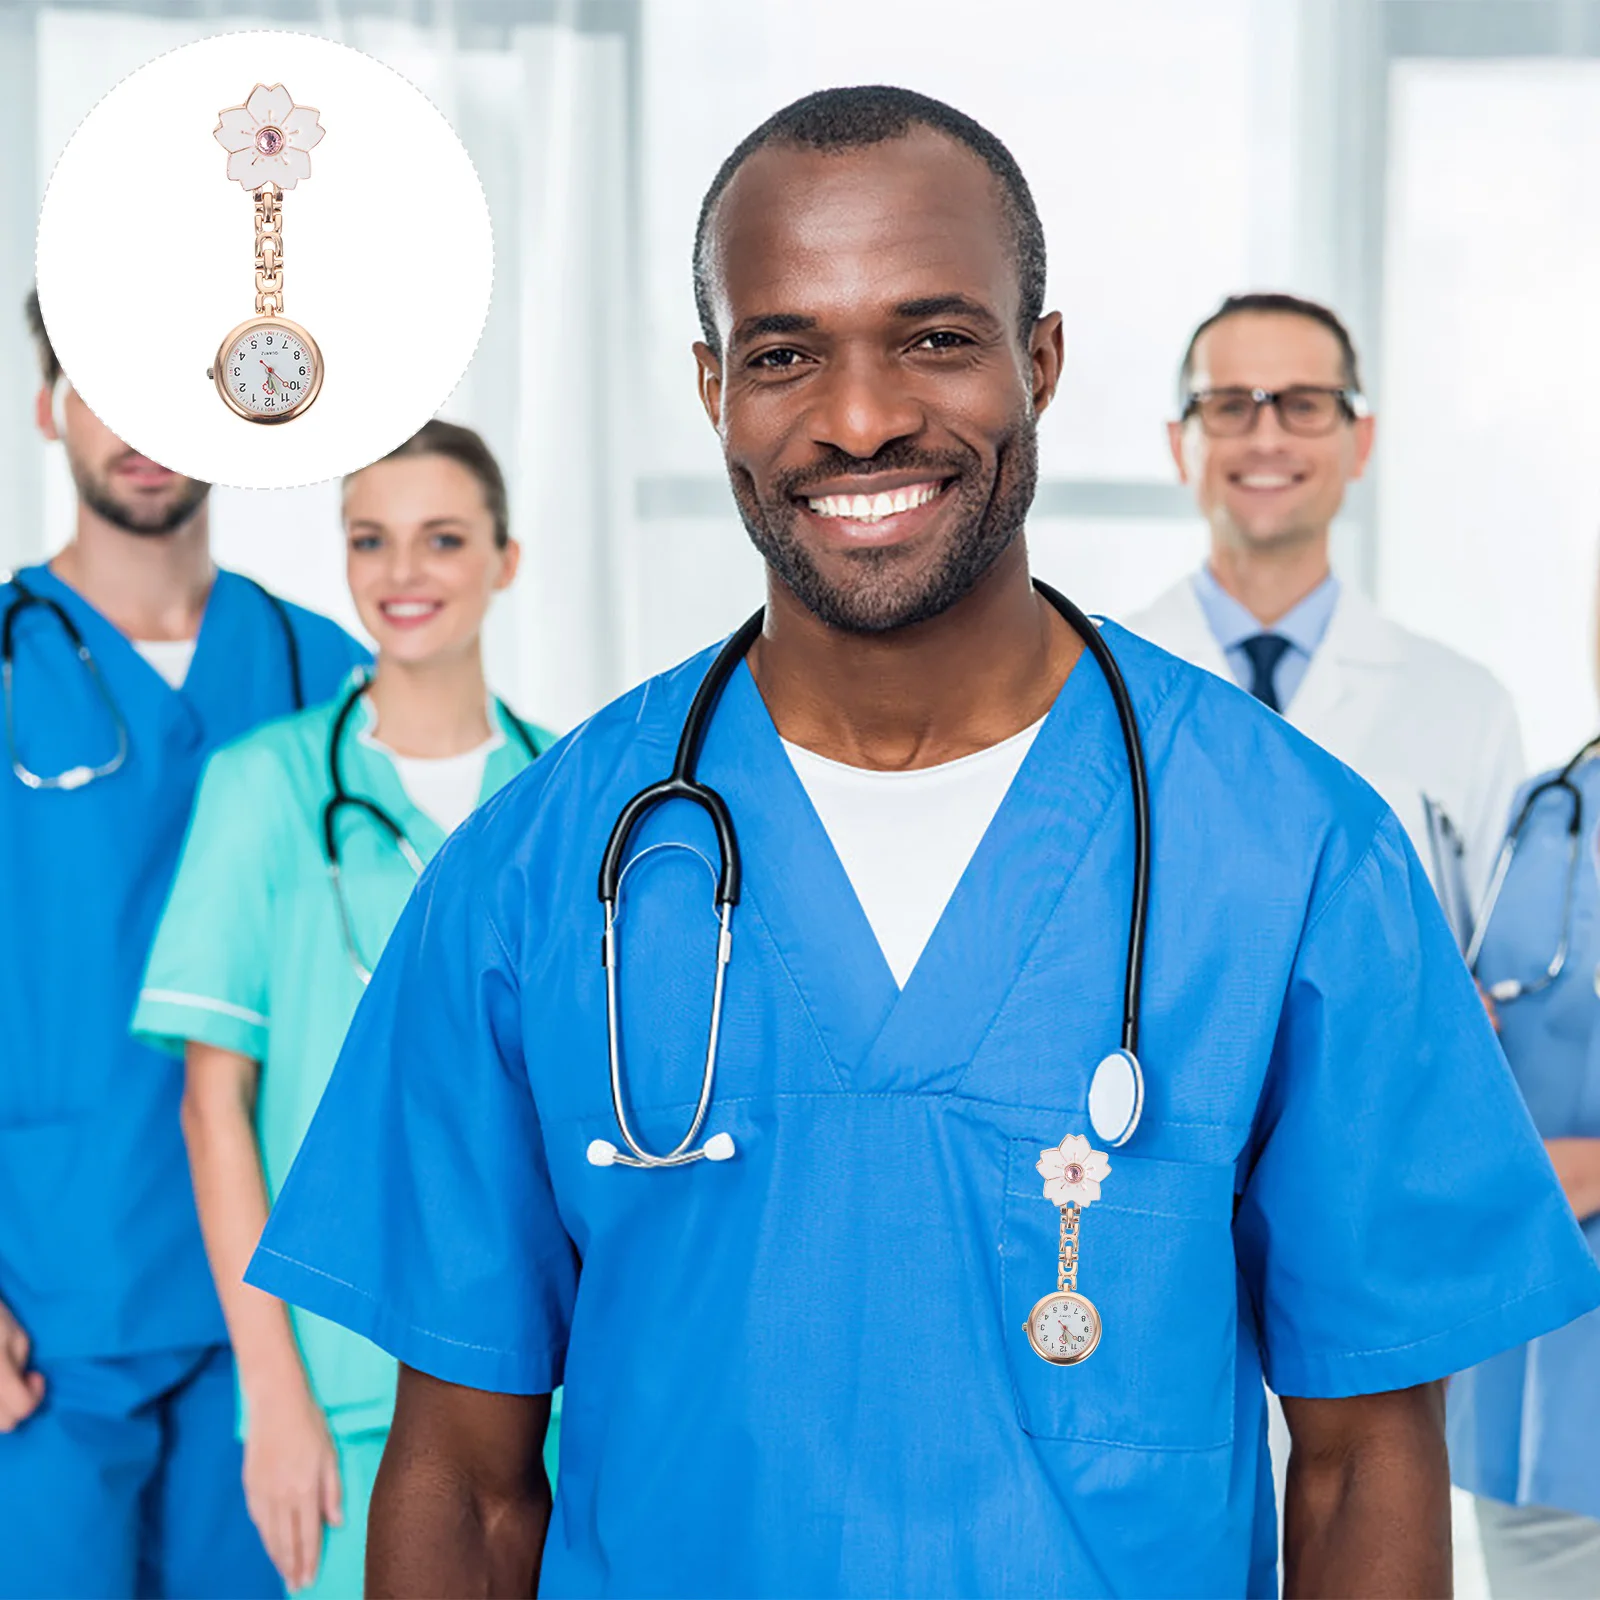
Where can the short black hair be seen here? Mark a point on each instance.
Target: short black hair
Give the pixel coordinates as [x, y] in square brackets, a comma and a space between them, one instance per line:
[49, 366]
[466, 447]
[1272, 304]
[851, 119]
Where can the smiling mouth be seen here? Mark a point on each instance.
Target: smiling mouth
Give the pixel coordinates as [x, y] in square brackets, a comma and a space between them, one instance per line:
[143, 470]
[1266, 480]
[871, 508]
[410, 610]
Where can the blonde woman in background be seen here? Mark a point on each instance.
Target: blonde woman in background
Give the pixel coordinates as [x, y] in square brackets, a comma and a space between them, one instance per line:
[281, 907]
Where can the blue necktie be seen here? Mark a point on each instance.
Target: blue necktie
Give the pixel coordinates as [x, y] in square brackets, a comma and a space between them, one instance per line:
[1265, 651]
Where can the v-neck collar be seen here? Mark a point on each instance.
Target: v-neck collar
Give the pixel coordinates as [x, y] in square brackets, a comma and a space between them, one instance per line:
[118, 656]
[370, 770]
[877, 1035]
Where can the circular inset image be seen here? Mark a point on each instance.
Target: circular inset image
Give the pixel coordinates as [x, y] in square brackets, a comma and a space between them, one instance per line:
[264, 260]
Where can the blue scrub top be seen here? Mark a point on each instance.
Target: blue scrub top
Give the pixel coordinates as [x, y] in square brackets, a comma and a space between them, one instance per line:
[100, 1251]
[804, 1370]
[1525, 1426]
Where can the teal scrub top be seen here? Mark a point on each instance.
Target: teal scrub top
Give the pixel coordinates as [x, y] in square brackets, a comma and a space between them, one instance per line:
[249, 955]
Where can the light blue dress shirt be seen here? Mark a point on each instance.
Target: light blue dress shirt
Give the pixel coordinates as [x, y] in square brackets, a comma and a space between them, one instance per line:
[1231, 624]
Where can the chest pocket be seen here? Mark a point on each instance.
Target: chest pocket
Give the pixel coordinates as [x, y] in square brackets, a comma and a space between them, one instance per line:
[1155, 1255]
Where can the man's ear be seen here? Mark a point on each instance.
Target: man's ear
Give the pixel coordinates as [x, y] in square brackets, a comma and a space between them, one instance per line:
[44, 412]
[709, 381]
[1047, 354]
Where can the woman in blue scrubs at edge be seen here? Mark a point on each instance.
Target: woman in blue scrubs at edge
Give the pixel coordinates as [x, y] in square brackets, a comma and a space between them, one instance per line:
[1524, 1427]
[916, 1328]
[119, 1465]
[261, 957]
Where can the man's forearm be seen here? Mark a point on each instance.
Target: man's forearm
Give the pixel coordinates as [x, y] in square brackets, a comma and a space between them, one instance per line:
[430, 1532]
[1577, 1164]
[1370, 1516]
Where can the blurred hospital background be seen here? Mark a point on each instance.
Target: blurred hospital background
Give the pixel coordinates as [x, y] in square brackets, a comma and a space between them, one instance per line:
[1425, 166]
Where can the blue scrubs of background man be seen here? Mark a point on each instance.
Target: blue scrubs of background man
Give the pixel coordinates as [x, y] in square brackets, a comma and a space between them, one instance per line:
[804, 1370]
[119, 1466]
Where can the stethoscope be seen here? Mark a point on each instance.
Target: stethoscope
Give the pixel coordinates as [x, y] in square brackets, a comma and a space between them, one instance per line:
[1116, 1092]
[340, 798]
[80, 776]
[1509, 989]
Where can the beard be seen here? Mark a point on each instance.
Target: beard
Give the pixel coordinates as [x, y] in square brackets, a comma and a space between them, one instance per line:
[877, 596]
[151, 521]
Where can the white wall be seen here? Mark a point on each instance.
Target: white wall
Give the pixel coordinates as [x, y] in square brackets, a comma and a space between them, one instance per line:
[1489, 454]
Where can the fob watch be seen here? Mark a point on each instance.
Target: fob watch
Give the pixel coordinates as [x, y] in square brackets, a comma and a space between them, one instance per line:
[268, 369]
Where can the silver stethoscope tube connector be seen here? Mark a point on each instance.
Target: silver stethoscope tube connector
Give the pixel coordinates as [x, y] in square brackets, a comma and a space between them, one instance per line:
[720, 1146]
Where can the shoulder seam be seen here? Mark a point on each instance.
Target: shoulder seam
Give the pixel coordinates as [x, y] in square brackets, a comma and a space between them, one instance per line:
[1339, 888]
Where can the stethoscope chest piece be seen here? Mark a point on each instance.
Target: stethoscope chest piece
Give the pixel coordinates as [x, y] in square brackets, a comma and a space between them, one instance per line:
[1116, 1097]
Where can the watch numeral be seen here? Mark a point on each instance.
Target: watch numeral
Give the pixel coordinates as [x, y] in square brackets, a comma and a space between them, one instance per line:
[302, 372]
[241, 388]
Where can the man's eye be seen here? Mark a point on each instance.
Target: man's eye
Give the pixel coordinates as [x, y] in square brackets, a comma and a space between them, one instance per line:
[776, 360]
[364, 541]
[943, 339]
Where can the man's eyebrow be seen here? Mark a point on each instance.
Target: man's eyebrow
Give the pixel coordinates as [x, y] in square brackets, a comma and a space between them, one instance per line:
[944, 305]
[772, 322]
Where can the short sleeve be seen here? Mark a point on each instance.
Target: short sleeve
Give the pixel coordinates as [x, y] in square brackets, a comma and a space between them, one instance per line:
[419, 1212]
[207, 978]
[1400, 1220]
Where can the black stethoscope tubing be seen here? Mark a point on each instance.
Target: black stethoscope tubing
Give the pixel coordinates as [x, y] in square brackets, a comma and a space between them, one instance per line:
[1508, 989]
[340, 797]
[26, 598]
[684, 784]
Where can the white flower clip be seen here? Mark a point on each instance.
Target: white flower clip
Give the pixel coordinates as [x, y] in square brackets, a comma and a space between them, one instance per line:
[269, 138]
[1073, 1171]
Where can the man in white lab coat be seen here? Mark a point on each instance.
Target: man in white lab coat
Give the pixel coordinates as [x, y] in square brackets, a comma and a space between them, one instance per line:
[1272, 428]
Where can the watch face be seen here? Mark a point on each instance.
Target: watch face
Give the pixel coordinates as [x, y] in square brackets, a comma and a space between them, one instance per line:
[1064, 1328]
[269, 370]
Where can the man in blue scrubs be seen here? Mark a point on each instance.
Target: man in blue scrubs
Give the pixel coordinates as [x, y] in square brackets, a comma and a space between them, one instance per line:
[804, 1369]
[119, 1466]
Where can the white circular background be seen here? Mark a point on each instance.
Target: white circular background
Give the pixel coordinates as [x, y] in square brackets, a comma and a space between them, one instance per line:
[146, 259]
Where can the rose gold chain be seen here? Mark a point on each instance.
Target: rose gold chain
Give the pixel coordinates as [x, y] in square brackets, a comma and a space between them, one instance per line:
[1067, 1275]
[269, 250]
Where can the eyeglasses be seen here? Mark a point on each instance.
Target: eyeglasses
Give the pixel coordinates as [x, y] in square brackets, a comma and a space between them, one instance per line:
[1306, 410]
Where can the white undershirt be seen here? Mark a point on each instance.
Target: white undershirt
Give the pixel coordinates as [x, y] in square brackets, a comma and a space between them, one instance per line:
[170, 657]
[445, 788]
[905, 838]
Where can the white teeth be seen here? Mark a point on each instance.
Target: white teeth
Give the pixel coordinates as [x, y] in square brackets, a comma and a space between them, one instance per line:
[1259, 480]
[874, 508]
[409, 608]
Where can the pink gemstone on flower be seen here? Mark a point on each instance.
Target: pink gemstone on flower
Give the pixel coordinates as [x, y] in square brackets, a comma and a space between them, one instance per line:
[1072, 1172]
[269, 141]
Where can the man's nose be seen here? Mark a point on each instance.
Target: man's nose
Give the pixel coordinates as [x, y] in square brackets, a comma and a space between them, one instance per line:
[863, 403]
[1268, 432]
